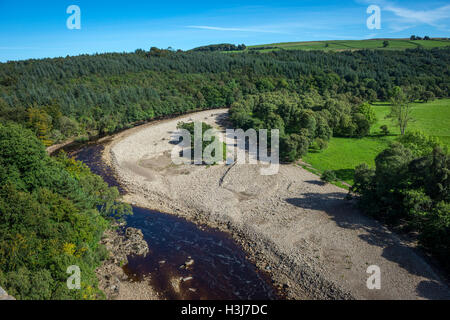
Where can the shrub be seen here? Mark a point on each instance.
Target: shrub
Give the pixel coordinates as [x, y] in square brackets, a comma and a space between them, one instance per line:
[384, 129]
[328, 176]
[368, 111]
[419, 143]
[321, 144]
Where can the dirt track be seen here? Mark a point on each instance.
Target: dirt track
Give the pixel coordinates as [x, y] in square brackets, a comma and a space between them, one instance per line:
[314, 243]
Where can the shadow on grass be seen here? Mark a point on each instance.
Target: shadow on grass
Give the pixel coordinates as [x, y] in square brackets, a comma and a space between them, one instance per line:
[381, 135]
[345, 174]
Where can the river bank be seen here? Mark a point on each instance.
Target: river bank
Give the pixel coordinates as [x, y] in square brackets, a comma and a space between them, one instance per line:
[314, 244]
[184, 261]
[113, 280]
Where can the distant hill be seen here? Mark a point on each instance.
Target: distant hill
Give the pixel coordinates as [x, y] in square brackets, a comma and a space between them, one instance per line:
[221, 47]
[342, 45]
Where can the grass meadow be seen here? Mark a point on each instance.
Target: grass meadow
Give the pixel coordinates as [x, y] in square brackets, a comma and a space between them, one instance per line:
[343, 154]
[339, 45]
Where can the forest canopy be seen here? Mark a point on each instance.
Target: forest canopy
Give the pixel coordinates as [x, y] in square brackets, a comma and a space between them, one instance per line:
[53, 212]
[99, 94]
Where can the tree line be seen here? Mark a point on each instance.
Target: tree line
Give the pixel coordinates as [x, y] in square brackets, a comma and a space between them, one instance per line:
[99, 94]
[221, 47]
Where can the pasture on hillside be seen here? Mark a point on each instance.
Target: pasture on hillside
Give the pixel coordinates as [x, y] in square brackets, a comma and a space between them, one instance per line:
[339, 45]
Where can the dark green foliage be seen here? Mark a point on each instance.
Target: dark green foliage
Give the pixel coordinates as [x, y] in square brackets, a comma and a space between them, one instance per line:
[221, 47]
[419, 143]
[52, 215]
[99, 94]
[328, 176]
[384, 130]
[411, 183]
[293, 146]
[427, 96]
[304, 121]
[319, 144]
[190, 126]
[367, 110]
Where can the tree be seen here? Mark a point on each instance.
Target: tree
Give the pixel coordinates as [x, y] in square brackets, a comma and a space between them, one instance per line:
[419, 143]
[367, 110]
[41, 123]
[362, 128]
[427, 96]
[411, 186]
[401, 109]
[384, 129]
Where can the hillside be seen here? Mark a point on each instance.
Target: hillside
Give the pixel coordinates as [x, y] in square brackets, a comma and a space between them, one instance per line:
[339, 45]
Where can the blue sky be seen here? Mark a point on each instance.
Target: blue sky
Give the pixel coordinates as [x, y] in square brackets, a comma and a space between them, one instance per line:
[37, 29]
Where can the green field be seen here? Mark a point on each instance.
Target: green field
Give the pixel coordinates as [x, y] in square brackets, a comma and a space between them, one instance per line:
[343, 154]
[339, 45]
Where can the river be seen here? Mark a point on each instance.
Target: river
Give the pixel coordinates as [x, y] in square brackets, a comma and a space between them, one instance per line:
[185, 261]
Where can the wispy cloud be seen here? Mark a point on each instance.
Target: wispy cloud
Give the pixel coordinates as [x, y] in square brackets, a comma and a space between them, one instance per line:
[405, 18]
[234, 29]
[430, 17]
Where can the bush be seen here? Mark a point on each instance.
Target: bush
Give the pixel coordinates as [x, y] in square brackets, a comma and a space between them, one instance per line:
[368, 111]
[319, 144]
[328, 176]
[384, 129]
[419, 143]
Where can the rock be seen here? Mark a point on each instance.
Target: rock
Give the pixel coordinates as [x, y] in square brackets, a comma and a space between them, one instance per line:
[189, 263]
[133, 233]
[2, 292]
[4, 295]
[120, 246]
[135, 244]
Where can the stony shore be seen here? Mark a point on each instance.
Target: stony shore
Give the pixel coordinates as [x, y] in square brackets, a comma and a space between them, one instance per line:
[112, 279]
[313, 242]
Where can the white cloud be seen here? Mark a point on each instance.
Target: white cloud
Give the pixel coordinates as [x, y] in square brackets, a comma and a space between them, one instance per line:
[233, 29]
[430, 17]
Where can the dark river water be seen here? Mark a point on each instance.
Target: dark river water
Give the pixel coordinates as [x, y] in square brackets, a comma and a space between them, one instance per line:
[201, 263]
